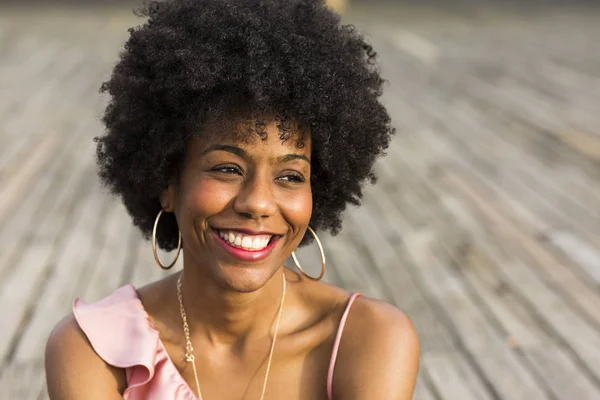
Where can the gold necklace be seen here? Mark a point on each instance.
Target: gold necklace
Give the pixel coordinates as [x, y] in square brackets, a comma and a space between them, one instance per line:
[189, 349]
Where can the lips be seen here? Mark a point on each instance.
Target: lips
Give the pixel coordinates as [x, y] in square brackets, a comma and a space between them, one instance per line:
[245, 241]
[245, 245]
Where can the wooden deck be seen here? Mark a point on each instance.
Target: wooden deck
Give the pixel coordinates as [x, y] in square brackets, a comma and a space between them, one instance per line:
[484, 226]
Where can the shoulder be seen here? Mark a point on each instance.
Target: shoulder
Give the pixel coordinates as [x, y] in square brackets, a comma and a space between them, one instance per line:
[73, 367]
[379, 353]
[391, 322]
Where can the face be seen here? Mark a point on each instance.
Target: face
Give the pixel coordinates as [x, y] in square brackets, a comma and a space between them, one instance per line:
[242, 207]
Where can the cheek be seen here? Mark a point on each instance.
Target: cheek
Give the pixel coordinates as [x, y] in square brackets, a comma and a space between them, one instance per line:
[297, 207]
[205, 197]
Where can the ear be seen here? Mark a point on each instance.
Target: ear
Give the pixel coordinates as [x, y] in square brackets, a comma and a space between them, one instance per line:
[167, 198]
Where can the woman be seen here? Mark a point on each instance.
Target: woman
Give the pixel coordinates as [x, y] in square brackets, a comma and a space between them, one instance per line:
[234, 127]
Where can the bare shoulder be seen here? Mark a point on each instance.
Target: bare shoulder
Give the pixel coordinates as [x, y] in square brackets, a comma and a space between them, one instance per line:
[379, 353]
[73, 367]
[380, 320]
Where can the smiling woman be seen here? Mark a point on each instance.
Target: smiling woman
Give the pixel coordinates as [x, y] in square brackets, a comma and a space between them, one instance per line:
[237, 129]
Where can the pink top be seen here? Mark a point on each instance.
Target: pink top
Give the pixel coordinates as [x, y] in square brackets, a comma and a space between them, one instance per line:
[120, 331]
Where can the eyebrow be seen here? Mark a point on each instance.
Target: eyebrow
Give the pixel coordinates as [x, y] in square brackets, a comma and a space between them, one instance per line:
[243, 154]
[292, 157]
[230, 149]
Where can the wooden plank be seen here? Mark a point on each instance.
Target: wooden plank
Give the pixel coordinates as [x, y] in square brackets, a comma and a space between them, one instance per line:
[567, 385]
[350, 267]
[68, 261]
[23, 380]
[32, 208]
[76, 253]
[526, 104]
[422, 392]
[540, 148]
[424, 96]
[118, 248]
[24, 77]
[585, 143]
[415, 45]
[61, 116]
[549, 305]
[434, 153]
[581, 252]
[528, 138]
[564, 277]
[452, 377]
[482, 265]
[14, 188]
[28, 270]
[512, 377]
[440, 154]
[518, 172]
[12, 148]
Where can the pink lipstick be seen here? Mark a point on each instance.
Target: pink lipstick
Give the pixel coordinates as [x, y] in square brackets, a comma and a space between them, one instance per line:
[243, 254]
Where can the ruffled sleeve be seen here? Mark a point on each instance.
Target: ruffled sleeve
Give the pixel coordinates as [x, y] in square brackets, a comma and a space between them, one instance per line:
[120, 333]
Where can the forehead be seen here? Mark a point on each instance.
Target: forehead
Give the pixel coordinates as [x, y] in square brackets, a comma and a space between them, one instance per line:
[266, 136]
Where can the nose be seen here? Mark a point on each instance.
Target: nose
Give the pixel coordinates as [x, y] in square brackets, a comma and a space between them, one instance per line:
[256, 198]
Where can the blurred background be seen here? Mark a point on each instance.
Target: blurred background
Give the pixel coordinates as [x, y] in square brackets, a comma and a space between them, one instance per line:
[484, 226]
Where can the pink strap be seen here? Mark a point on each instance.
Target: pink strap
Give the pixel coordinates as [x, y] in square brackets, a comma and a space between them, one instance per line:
[336, 346]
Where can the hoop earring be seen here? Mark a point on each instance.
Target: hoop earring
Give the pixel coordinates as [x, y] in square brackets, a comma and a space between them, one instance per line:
[323, 262]
[154, 245]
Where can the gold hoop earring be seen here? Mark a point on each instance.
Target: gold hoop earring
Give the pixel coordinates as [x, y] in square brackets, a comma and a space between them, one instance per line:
[154, 245]
[323, 262]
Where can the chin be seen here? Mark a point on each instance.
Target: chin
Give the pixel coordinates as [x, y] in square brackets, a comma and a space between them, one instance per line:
[243, 280]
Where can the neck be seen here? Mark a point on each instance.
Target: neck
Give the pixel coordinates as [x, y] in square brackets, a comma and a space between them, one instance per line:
[225, 316]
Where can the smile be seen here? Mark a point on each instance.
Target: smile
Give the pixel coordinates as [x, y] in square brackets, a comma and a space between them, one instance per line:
[245, 246]
[247, 242]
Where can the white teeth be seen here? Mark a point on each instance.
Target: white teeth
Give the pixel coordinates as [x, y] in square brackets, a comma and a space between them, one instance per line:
[248, 242]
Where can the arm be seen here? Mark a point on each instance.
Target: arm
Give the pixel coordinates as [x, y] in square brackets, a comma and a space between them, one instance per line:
[73, 369]
[379, 354]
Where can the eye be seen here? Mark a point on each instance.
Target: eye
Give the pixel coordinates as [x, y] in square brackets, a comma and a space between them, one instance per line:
[228, 169]
[292, 177]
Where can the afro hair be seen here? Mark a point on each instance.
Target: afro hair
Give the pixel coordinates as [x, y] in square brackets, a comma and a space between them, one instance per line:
[198, 60]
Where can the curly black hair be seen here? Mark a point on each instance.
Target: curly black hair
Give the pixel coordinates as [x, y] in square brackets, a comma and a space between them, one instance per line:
[198, 60]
